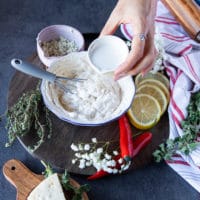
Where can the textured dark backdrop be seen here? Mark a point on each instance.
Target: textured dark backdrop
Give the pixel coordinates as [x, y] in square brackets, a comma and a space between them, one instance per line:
[20, 21]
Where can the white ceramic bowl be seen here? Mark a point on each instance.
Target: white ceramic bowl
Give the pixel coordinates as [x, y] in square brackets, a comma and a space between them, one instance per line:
[54, 32]
[69, 62]
[107, 53]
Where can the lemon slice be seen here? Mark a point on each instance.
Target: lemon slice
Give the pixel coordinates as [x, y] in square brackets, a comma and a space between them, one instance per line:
[156, 92]
[158, 84]
[157, 76]
[145, 111]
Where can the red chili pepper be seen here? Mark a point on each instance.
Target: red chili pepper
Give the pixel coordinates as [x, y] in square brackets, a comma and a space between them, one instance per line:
[140, 142]
[98, 174]
[126, 144]
[102, 173]
[132, 148]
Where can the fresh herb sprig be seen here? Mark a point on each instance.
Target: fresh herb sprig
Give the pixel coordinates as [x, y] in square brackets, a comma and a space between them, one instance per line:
[191, 127]
[25, 116]
[76, 192]
[48, 169]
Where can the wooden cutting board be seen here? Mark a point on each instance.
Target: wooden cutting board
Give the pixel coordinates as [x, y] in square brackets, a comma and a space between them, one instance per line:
[57, 152]
[25, 180]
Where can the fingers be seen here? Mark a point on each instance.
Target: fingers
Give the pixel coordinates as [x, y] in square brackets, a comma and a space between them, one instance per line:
[134, 56]
[138, 65]
[141, 57]
[145, 64]
[147, 69]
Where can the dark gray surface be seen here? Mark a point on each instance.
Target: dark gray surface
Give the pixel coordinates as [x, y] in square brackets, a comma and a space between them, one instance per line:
[20, 21]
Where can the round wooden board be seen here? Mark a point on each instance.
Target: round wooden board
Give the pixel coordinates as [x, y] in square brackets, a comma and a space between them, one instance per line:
[56, 150]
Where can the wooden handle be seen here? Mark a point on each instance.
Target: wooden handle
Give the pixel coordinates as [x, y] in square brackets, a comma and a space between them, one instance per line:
[25, 180]
[187, 13]
[21, 177]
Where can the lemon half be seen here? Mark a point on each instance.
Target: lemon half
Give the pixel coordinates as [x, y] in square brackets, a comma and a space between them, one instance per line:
[157, 76]
[145, 111]
[156, 92]
[158, 84]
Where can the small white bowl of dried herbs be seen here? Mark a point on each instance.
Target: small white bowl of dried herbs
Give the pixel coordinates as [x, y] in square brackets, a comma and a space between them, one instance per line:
[56, 41]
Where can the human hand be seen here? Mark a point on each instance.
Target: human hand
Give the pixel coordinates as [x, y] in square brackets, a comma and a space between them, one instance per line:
[140, 15]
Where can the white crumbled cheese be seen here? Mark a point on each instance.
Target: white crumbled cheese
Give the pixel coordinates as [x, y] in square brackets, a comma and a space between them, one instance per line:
[97, 157]
[74, 161]
[107, 156]
[120, 161]
[94, 140]
[115, 153]
[100, 150]
[158, 64]
[93, 99]
[74, 147]
[86, 147]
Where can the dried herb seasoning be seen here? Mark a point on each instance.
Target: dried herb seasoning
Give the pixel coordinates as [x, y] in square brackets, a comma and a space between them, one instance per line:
[58, 47]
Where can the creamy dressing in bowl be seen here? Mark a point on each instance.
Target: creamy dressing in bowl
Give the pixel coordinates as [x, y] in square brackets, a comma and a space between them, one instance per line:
[97, 100]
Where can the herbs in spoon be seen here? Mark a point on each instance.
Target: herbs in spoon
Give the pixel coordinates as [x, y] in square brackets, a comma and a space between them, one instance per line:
[25, 116]
[191, 127]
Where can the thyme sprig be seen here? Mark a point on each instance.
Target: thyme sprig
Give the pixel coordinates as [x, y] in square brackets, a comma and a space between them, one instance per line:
[76, 192]
[190, 126]
[25, 116]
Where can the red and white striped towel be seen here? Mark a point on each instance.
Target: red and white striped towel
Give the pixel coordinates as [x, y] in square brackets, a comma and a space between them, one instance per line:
[182, 64]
